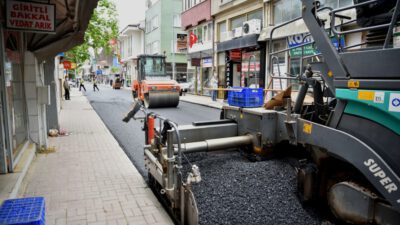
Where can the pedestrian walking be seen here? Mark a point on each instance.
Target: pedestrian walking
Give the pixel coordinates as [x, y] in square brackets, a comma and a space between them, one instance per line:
[82, 85]
[95, 85]
[66, 89]
[214, 86]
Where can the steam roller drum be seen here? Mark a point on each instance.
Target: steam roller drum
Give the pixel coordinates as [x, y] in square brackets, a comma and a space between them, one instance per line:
[161, 99]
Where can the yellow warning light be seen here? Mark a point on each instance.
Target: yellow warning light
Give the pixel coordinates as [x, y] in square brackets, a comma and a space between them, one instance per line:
[330, 74]
[307, 128]
[353, 84]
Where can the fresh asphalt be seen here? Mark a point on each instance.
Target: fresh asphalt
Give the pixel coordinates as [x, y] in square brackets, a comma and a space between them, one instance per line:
[112, 105]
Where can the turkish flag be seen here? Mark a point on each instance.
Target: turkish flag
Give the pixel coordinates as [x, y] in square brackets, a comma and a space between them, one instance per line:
[193, 39]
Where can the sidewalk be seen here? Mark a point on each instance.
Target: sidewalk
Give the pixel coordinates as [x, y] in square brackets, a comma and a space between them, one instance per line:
[203, 100]
[89, 179]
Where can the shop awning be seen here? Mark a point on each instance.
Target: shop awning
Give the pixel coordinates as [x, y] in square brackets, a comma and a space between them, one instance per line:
[297, 27]
[243, 42]
[72, 19]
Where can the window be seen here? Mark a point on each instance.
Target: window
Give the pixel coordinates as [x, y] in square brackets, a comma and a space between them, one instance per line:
[336, 3]
[205, 35]
[177, 20]
[285, 10]
[255, 15]
[154, 23]
[222, 2]
[155, 48]
[199, 34]
[222, 31]
[148, 26]
[237, 22]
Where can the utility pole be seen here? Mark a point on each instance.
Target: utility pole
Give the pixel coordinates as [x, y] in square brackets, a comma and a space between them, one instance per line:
[173, 48]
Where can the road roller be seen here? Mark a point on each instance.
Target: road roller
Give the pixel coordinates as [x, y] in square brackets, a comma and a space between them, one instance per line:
[152, 86]
[344, 148]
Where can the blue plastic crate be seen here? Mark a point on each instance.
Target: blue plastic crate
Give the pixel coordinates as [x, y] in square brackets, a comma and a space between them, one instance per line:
[246, 97]
[23, 211]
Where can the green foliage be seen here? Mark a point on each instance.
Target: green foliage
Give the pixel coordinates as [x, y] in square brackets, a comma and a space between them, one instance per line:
[114, 69]
[103, 27]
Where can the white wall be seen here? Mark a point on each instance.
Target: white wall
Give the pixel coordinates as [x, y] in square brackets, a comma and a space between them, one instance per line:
[34, 78]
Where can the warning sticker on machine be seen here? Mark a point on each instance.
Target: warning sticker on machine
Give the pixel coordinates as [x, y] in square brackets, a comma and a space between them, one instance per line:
[379, 97]
[394, 102]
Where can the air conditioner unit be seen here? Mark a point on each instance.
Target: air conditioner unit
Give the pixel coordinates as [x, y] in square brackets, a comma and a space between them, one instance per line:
[252, 27]
[237, 32]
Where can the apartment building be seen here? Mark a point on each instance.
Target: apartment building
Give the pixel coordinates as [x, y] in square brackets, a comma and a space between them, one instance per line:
[197, 22]
[163, 35]
[239, 57]
[131, 44]
[293, 62]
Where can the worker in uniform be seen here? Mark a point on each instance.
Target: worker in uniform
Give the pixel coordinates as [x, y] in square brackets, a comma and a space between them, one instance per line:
[82, 85]
[95, 85]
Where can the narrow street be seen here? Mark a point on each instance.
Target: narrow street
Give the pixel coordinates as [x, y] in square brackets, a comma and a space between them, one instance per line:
[112, 105]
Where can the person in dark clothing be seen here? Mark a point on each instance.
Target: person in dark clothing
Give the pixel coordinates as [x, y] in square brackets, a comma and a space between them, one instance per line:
[66, 89]
[95, 85]
[82, 85]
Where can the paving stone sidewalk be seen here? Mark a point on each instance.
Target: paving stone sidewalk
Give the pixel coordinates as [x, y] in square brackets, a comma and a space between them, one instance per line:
[89, 179]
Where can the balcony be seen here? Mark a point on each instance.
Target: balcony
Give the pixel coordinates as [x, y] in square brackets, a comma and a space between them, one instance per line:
[193, 16]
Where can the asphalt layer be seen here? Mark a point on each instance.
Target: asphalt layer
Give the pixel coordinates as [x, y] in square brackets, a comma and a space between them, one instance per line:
[112, 105]
[234, 190]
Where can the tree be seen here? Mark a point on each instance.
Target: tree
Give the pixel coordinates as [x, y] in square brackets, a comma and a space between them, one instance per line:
[102, 28]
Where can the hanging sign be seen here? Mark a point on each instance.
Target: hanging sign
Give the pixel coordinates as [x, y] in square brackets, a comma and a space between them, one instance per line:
[30, 17]
[67, 65]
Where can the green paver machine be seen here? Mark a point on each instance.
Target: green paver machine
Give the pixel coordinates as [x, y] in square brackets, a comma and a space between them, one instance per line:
[349, 138]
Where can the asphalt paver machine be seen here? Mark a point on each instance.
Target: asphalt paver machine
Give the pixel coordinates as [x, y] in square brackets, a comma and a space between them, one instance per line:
[153, 86]
[349, 138]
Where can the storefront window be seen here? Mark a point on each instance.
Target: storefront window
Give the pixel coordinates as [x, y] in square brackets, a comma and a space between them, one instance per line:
[250, 76]
[15, 90]
[285, 10]
[336, 3]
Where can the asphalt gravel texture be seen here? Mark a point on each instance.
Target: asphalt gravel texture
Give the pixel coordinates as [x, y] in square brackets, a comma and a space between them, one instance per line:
[112, 105]
[235, 190]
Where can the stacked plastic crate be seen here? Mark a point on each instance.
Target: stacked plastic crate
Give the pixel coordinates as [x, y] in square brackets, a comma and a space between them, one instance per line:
[246, 97]
[23, 211]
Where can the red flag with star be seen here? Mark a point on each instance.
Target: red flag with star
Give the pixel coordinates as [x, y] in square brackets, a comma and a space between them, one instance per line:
[193, 39]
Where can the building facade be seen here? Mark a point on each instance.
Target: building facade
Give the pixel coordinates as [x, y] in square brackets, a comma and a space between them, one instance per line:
[131, 44]
[29, 79]
[163, 35]
[293, 62]
[239, 57]
[197, 20]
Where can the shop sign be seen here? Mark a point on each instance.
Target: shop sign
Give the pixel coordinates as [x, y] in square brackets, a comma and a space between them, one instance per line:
[300, 39]
[181, 42]
[195, 62]
[207, 62]
[235, 55]
[253, 67]
[30, 17]
[228, 66]
[67, 65]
